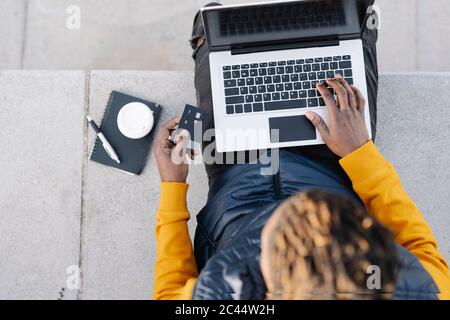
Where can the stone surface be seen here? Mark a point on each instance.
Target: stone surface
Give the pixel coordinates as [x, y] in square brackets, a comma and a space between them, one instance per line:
[119, 212]
[397, 46]
[414, 137]
[12, 25]
[433, 38]
[153, 35]
[41, 139]
[43, 200]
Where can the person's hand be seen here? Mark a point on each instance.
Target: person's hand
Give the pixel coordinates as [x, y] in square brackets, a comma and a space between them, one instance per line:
[346, 130]
[170, 158]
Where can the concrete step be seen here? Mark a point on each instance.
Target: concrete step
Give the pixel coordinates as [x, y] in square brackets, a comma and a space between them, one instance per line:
[60, 210]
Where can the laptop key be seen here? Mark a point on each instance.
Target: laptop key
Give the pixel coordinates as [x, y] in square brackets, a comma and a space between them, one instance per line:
[286, 78]
[276, 96]
[284, 95]
[309, 60]
[306, 85]
[247, 108]
[321, 75]
[227, 75]
[303, 76]
[230, 109]
[322, 102]
[267, 97]
[302, 94]
[231, 92]
[244, 73]
[312, 103]
[259, 80]
[271, 71]
[345, 65]
[337, 58]
[276, 79]
[280, 87]
[263, 65]
[271, 88]
[293, 94]
[257, 107]
[348, 73]
[226, 68]
[258, 97]
[230, 83]
[306, 68]
[334, 65]
[290, 62]
[253, 72]
[312, 93]
[248, 98]
[349, 80]
[286, 104]
[241, 82]
[245, 66]
[261, 89]
[234, 100]
[312, 76]
[250, 81]
[244, 90]
[346, 57]
[236, 67]
[253, 89]
[325, 66]
[318, 59]
[300, 61]
[316, 67]
[239, 108]
[328, 59]
[254, 65]
[298, 69]
[330, 74]
[267, 80]
[262, 72]
[272, 64]
[280, 70]
[281, 63]
[289, 69]
[297, 85]
[236, 74]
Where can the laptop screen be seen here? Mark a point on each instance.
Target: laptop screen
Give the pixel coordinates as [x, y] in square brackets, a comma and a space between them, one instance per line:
[274, 22]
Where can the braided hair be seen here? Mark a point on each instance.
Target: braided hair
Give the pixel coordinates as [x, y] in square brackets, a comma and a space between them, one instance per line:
[321, 247]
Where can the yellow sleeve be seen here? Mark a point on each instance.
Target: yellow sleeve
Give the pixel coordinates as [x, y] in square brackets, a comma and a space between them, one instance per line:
[175, 268]
[376, 182]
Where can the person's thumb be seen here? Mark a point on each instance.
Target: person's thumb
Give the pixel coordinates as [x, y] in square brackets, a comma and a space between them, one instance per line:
[318, 122]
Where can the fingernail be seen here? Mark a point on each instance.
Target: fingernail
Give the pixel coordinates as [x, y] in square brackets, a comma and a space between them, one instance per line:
[310, 116]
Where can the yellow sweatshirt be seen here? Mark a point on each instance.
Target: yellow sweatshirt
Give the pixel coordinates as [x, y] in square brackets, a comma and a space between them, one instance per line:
[374, 180]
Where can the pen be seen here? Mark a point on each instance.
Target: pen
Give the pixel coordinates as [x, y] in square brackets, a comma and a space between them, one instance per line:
[108, 148]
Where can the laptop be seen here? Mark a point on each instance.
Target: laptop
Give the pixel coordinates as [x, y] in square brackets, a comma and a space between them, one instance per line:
[265, 61]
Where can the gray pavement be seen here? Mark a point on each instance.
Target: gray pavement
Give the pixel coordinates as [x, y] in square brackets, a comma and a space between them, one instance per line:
[153, 34]
[59, 209]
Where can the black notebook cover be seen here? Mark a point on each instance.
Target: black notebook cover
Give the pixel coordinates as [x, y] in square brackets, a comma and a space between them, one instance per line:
[132, 152]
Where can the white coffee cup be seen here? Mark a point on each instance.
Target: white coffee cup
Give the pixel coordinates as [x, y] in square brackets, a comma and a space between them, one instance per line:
[135, 120]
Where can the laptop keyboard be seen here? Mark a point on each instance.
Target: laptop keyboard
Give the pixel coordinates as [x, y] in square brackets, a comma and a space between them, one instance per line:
[280, 85]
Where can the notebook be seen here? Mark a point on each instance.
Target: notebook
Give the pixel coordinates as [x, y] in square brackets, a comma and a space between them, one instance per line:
[132, 152]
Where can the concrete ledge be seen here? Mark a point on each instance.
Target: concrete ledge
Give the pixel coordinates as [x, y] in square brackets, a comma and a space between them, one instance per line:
[58, 209]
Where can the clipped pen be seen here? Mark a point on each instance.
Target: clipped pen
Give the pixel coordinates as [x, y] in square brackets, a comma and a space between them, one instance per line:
[108, 148]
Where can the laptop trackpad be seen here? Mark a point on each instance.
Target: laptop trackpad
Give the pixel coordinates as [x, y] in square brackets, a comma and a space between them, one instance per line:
[295, 128]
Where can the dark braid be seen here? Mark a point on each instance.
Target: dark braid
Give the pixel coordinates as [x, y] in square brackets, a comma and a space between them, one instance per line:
[321, 247]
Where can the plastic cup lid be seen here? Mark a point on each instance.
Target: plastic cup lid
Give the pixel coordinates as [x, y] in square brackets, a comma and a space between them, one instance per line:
[135, 120]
